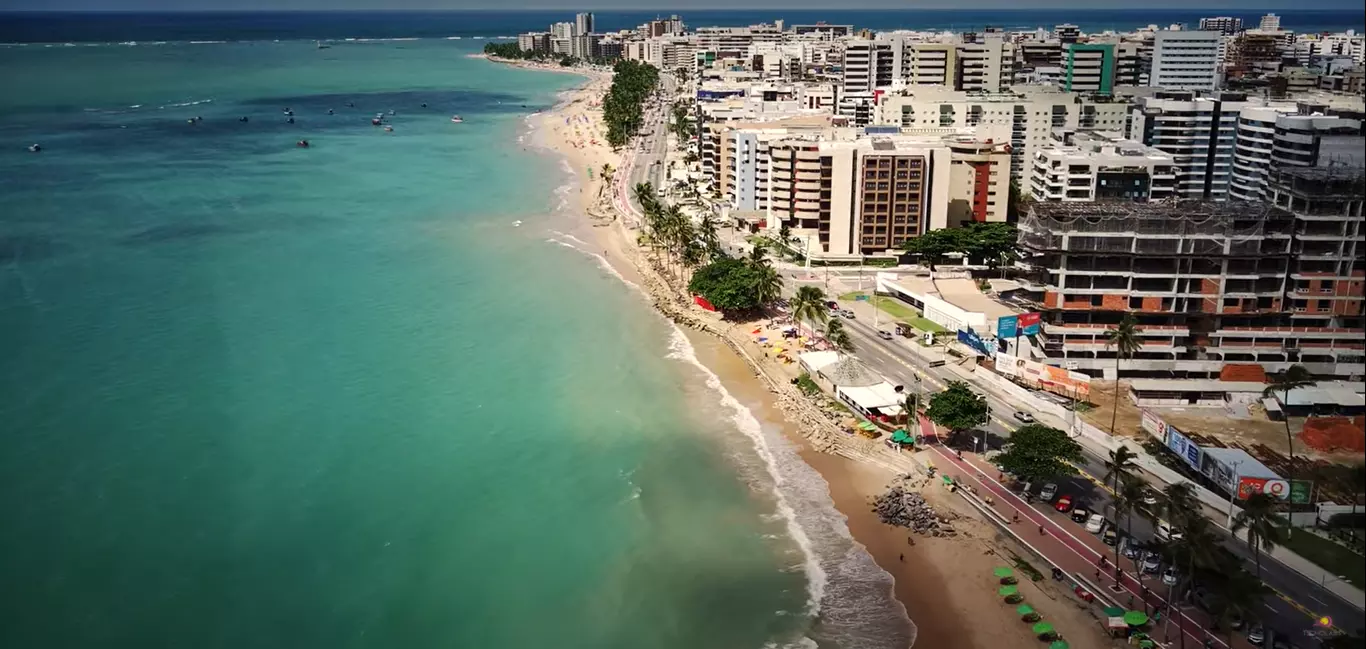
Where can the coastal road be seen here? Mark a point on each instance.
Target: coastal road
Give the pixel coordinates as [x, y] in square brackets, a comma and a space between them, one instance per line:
[1299, 603]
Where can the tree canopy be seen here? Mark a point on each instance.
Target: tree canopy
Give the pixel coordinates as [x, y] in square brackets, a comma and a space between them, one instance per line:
[988, 243]
[732, 285]
[958, 407]
[622, 107]
[1036, 453]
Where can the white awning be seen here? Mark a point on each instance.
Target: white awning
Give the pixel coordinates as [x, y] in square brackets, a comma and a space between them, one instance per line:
[882, 396]
[816, 361]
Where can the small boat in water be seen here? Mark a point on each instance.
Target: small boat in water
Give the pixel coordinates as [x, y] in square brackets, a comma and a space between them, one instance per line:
[34, 148]
[376, 121]
[388, 129]
[322, 46]
[457, 119]
[302, 144]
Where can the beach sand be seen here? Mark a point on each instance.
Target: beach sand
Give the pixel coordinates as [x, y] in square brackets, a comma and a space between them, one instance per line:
[946, 585]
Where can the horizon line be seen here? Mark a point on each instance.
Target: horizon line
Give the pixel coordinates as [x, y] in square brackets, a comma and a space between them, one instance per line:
[1226, 10]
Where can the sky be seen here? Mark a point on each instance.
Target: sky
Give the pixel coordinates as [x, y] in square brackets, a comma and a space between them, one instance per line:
[680, 6]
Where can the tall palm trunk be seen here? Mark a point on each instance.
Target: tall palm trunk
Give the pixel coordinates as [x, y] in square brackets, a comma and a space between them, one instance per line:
[1114, 411]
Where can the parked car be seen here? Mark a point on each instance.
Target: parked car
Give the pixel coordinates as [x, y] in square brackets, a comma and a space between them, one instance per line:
[846, 314]
[1024, 416]
[1256, 635]
[1169, 576]
[1110, 537]
[1151, 562]
[834, 306]
[1064, 504]
[1095, 523]
[1080, 514]
[1149, 497]
[1131, 548]
[885, 335]
[1048, 491]
[1166, 532]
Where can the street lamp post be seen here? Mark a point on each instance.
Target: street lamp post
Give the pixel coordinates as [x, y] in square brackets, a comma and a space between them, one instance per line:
[1233, 497]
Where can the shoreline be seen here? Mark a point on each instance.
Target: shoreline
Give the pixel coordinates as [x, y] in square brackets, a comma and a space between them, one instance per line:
[928, 577]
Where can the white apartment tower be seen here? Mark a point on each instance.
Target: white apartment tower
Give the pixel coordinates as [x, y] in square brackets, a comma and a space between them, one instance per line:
[583, 23]
[986, 64]
[1185, 60]
[1086, 166]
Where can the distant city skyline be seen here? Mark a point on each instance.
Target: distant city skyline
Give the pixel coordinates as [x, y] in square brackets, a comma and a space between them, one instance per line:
[671, 6]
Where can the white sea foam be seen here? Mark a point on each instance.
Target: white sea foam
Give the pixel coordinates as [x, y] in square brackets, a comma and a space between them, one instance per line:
[605, 265]
[204, 42]
[681, 349]
[570, 237]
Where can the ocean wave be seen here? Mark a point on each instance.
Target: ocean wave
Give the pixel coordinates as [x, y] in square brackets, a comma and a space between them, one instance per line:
[570, 237]
[207, 42]
[186, 103]
[681, 349]
[605, 265]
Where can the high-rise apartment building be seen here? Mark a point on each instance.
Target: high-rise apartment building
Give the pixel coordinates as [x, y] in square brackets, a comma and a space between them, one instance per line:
[1270, 284]
[1089, 67]
[1226, 25]
[986, 63]
[1198, 131]
[1067, 33]
[868, 65]
[1185, 60]
[1088, 166]
[1276, 135]
[1025, 119]
[583, 23]
[1270, 23]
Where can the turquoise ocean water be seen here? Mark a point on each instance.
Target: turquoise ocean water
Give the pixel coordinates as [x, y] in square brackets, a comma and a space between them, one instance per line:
[256, 395]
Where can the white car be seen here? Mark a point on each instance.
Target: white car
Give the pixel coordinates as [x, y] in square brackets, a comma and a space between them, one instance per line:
[1024, 416]
[1049, 490]
[1096, 523]
[1169, 576]
[1151, 562]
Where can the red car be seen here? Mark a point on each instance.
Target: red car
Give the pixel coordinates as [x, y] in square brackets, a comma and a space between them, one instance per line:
[1064, 504]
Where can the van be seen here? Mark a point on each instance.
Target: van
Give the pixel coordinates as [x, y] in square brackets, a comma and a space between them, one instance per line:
[938, 362]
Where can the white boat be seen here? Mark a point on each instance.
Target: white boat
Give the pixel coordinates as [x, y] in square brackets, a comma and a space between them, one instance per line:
[457, 119]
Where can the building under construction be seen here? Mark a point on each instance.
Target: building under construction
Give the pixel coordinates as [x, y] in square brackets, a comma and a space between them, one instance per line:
[1230, 290]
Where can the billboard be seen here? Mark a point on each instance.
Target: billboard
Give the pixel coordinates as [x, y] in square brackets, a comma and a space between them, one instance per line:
[971, 339]
[1007, 326]
[1188, 451]
[1296, 491]
[1034, 374]
[1154, 425]
[1029, 323]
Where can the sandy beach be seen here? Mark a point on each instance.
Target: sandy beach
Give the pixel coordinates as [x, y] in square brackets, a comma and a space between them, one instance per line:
[946, 585]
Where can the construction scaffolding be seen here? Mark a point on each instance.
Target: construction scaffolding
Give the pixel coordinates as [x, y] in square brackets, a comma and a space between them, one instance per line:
[1166, 228]
[1321, 182]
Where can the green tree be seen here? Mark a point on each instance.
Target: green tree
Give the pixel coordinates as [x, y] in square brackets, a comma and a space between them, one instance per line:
[785, 234]
[606, 173]
[933, 245]
[758, 256]
[958, 408]
[711, 241]
[1266, 529]
[838, 337]
[768, 286]
[1178, 505]
[728, 284]
[991, 243]
[809, 305]
[623, 106]
[1036, 453]
[1124, 338]
[1129, 490]
[1119, 464]
[1293, 378]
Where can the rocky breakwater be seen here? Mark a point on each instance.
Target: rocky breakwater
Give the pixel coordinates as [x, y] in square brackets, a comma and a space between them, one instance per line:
[908, 509]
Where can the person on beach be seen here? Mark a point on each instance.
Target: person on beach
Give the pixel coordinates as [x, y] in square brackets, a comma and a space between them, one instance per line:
[901, 557]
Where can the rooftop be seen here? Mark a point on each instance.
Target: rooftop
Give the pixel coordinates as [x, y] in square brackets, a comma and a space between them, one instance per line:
[1194, 385]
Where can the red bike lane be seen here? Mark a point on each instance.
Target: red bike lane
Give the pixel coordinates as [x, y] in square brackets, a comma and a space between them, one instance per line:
[1054, 541]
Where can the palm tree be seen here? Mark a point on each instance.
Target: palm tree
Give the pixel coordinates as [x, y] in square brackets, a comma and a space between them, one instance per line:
[1241, 596]
[758, 256]
[1266, 529]
[707, 231]
[785, 234]
[1124, 338]
[839, 337]
[1128, 496]
[1294, 377]
[645, 195]
[809, 305]
[607, 173]
[1197, 550]
[1121, 462]
[1178, 504]
[769, 286]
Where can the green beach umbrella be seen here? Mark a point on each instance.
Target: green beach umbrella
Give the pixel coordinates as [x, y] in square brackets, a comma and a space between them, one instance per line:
[1042, 628]
[1024, 609]
[1058, 644]
[1007, 591]
[1135, 618]
[1002, 571]
[900, 436]
[1113, 611]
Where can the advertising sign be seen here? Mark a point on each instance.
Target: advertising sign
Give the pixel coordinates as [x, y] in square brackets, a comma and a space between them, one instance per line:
[1007, 326]
[1269, 486]
[1188, 451]
[1072, 385]
[1301, 491]
[1154, 425]
[1029, 323]
[971, 339]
